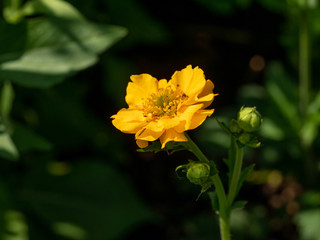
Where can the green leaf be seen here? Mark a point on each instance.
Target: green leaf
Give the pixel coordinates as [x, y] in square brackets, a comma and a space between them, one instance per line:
[314, 105]
[269, 129]
[58, 48]
[16, 226]
[170, 146]
[56, 8]
[238, 205]
[309, 131]
[12, 12]
[214, 201]
[6, 100]
[153, 147]
[231, 158]
[173, 146]
[308, 224]
[243, 176]
[27, 140]
[311, 4]
[96, 200]
[283, 94]
[8, 149]
[223, 126]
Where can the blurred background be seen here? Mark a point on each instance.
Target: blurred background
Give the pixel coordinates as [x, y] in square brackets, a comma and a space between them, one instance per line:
[67, 173]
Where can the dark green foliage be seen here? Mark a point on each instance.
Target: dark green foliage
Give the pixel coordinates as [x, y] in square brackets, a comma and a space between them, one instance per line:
[94, 197]
[64, 67]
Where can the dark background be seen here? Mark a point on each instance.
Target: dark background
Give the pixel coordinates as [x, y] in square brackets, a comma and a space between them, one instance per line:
[84, 179]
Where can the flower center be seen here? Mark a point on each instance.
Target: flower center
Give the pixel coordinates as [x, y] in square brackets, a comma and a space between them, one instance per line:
[163, 103]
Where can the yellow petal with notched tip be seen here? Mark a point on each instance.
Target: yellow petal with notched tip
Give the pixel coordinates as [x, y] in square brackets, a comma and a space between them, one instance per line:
[190, 81]
[141, 87]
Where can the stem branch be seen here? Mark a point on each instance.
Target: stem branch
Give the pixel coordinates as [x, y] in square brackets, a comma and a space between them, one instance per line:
[223, 208]
[235, 174]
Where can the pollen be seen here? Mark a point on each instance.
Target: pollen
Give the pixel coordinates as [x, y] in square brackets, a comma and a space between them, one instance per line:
[163, 103]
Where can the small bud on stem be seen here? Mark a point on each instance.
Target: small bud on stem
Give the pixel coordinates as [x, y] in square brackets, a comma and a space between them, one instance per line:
[249, 119]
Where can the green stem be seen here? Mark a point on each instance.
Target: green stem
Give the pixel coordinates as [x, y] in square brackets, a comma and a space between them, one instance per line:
[225, 229]
[221, 196]
[223, 208]
[235, 174]
[196, 150]
[304, 61]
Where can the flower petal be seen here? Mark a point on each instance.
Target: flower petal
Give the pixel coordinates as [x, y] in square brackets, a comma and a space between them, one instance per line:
[206, 96]
[148, 135]
[199, 117]
[163, 123]
[142, 143]
[190, 81]
[186, 116]
[162, 83]
[172, 135]
[128, 120]
[141, 87]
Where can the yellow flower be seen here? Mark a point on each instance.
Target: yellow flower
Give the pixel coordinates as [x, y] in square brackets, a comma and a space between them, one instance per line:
[165, 109]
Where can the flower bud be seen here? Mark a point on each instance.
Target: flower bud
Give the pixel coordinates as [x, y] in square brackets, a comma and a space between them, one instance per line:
[198, 173]
[245, 138]
[249, 119]
[249, 140]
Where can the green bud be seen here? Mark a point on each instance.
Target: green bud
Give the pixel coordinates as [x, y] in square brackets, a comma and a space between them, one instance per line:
[249, 119]
[245, 138]
[234, 127]
[198, 173]
[249, 140]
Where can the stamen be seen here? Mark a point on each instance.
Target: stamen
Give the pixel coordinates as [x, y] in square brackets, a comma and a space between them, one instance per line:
[163, 103]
